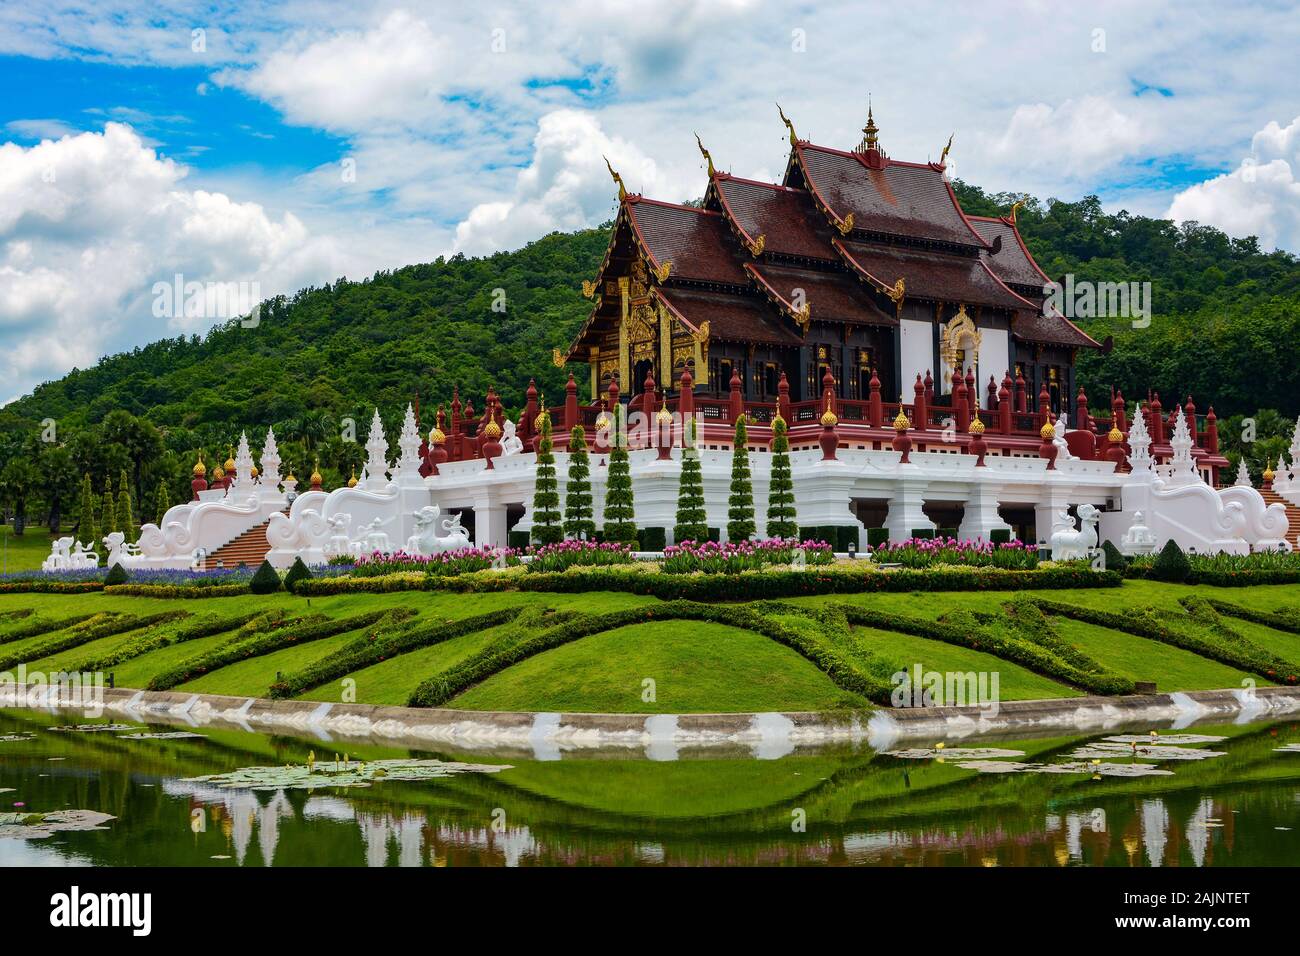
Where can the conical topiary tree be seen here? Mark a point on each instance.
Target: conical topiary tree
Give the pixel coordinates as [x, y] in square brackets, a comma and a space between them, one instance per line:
[107, 513]
[578, 519]
[86, 528]
[780, 496]
[266, 580]
[740, 505]
[126, 509]
[298, 572]
[163, 503]
[692, 521]
[620, 514]
[1171, 564]
[547, 528]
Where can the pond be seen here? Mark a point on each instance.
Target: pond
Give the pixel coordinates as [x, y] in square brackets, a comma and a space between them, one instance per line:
[93, 793]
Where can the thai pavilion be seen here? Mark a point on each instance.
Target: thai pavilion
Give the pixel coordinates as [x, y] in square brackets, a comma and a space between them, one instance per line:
[855, 263]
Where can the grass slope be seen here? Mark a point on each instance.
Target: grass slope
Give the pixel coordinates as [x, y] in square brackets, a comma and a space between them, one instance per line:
[696, 666]
[1140, 658]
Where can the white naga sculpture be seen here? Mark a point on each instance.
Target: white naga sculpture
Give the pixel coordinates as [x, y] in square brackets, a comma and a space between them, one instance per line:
[1071, 545]
[511, 444]
[63, 558]
[426, 539]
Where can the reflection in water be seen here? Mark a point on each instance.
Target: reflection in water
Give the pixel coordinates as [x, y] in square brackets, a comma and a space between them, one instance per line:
[861, 808]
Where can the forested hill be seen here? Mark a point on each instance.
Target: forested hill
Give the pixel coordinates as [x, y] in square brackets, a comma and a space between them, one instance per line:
[1225, 328]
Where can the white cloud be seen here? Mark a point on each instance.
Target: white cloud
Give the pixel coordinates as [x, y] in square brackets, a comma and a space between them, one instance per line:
[566, 186]
[1079, 137]
[1261, 197]
[89, 223]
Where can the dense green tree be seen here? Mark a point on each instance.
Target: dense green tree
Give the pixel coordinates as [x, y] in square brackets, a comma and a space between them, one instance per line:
[87, 529]
[692, 521]
[138, 438]
[780, 498]
[579, 521]
[740, 503]
[161, 503]
[126, 510]
[547, 526]
[108, 522]
[620, 512]
[58, 482]
[18, 482]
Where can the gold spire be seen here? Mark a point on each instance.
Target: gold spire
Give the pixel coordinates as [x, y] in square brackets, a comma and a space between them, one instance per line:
[315, 478]
[788, 125]
[1268, 472]
[705, 153]
[218, 473]
[1047, 432]
[290, 476]
[437, 437]
[200, 469]
[828, 417]
[230, 460]
[622, 190]
[492, 430]
[1115, 436]
[901, 422]
[540, 420]
[664, 416]
[977, 426]
[352, 482]
[869, 138]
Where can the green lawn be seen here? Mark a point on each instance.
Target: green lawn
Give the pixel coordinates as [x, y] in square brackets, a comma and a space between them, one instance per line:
[696, 667]
[26, 551]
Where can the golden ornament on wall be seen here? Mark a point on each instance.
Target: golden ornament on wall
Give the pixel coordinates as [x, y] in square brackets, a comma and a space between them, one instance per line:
[589, 289]
[755, 246]
[845, 225]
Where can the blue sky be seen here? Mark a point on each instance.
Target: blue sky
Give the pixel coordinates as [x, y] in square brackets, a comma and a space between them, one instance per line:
[289, 143]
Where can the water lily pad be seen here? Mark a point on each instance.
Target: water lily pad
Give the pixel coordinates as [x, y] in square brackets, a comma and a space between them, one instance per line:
[954, 753]
[1104, 750]
[1076, 766]
[38, 826]
[1288, 749]
[171, 735]
[94, 728]
[15, 738]
[1172, 740]
[351, 773]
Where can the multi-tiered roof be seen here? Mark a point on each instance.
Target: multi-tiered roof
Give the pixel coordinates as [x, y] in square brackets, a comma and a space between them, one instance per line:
[847, 237]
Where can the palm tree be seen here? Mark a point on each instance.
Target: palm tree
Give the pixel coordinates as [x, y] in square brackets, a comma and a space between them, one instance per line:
[18, 480]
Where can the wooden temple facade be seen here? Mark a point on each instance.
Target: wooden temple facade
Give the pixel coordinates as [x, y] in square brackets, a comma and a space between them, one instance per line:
[855, 264]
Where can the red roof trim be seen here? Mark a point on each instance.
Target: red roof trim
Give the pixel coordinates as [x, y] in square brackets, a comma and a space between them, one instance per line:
[667, 304]
[772, 294]
[853, 264]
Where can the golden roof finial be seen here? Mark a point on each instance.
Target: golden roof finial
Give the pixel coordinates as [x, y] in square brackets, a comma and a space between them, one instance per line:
[788, 125]
[828, 417]
[622, 190]
[1115, 436]
[943, 157]
[869, 138]
[977, 427]
[492, 430]
[901, 422]
[1014, 207]
[200, 469]
[352, 482]
[705, 153]
[664, 416]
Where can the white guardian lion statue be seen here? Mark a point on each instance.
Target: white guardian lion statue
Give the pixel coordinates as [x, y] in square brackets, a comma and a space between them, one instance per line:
[426, 539]
[1071, 545]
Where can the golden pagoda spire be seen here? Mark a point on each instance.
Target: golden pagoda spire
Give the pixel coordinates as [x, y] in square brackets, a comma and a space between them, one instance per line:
[869, 138]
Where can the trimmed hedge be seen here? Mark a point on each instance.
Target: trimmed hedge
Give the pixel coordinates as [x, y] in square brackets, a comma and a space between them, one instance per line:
[179, 591]
[390, 637]
[1040, 653]
[876, 537]
[750, 586]
[1285, 619]
[116, 575]
[105, 624]
[42, 625]
[50, 587]
[299, 572]
[838, 536]
[1227, 647]
[154, 639]
[266, 580]
[842, 671]
[653, 539]
[302, 630]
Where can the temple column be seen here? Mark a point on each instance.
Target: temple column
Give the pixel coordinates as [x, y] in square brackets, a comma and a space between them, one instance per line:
[624, 365]
[595, 372]
[1051, 501]
[905, 508]
[981, 517]
[665, 346]
[489, 524]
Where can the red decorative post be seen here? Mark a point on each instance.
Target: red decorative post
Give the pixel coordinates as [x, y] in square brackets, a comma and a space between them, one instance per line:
[972, 392]
[875, 410]
[535, 445]
[1021, 398]
[920, 403]
[1044, 405]
[1117, 416]
[530, 414]
[1157, 422]
[1004, 405]
[1081, 409]
[437, 445]
[736, 406]
[200, 482]
[978, 446]
[1115, 449]
[902, 443]
[686, 406]
[992, 391]
[1190, 410]
[455, 424]
[829, 439]
[648, 408]
[571, 404]
[1048, 450]
[929, 388]
[960, 403]
[783, 397]
[491, 444]
[1211, 432]
[828, 392]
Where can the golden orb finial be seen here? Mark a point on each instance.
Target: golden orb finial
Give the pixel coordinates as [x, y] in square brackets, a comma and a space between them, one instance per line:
[1115, 436]
[437, 437]
[230, 460]
[352, 482]
[829, 419]
[492, 430]
[1268, 472]
[664, 416]
[218, 473]
[977, 427]
[1047, 432]
[901, 422]
[200, 469]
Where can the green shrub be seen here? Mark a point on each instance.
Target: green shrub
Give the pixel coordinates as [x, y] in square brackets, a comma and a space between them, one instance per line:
[1115, 561]
[41, 625]
[104, 624]
[578, 515]
[653, 539]
[620, 515]
[116, 575]
[1000, 536]
[1171, 565]
[692, 523]
[780, 496]
[299, 572]
[156, 637]
[876, 537]
[740, 503]
[547, 523]
[923, 533]
[266, 580]
[518, 540]
[182, 591]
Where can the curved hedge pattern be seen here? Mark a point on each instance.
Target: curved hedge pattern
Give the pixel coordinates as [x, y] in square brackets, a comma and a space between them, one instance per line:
[151, 641]
[42, 625]
[93, 628]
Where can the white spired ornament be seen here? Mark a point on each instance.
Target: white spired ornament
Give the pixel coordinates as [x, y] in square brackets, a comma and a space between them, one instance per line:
[1138, 539]
[1071, 545]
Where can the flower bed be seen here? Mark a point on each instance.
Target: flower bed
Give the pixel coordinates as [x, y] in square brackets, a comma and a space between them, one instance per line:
[929, 552]
[460, 561]
[573, 554]
[709, 557]
[1229, 570]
